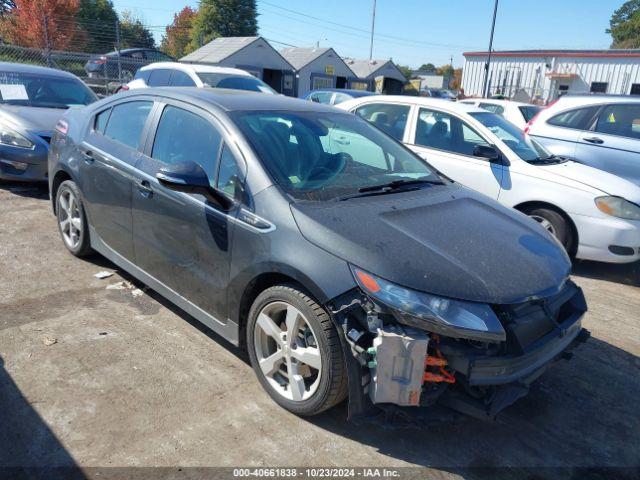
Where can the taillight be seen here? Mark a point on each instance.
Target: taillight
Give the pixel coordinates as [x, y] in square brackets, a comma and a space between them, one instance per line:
[124, 88]
[62, 126]
[100, 61]
[535, 117]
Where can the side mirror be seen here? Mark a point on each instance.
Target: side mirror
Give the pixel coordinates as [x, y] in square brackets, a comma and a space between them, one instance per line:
[488, 152]
[189, 177]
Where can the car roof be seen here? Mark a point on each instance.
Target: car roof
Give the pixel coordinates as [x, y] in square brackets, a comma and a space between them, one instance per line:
[35, 69]
[345, 90]
[233, 100]
[423, 101]
[195, 67]
[596, 98]
[497, 101]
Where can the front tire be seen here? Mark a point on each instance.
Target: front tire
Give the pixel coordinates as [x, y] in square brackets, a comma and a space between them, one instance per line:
[555, 223]
[295, 351]
[72, 221]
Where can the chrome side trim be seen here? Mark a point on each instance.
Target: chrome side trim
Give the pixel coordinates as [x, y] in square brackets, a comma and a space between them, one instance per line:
[229, 329]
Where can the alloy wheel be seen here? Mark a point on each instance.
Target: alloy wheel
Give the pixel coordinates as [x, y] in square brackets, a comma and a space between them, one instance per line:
[546, 224]
[70, 219]
[287, 351]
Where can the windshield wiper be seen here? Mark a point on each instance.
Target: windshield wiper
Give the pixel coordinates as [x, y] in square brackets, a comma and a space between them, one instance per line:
[551, 159]
[396, 184]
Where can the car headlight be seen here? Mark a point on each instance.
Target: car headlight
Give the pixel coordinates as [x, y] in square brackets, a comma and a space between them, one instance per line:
[449, 317]
[618, 207]
[8, 136]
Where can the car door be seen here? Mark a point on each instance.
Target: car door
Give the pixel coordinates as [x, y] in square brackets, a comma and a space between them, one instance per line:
[613, 142]
[180, 239]
[447, 142]
[560, 133]
[110, 150]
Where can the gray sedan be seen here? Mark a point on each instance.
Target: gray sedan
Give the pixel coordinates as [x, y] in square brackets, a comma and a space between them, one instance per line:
[32, 100]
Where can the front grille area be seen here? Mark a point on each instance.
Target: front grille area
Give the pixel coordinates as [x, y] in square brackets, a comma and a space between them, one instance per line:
[527, 323]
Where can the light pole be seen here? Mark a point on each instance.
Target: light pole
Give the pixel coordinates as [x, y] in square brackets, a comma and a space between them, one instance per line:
[373, 25]
[485, 86]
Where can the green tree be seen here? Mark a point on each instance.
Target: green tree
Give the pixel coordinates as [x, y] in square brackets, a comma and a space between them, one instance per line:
[406, 71]
[625, 25]
[224, 18]
[98, 19]
[445, 71]
[428, 67]
[133, 33]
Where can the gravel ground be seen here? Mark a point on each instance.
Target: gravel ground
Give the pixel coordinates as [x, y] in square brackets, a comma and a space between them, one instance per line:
[98, 377]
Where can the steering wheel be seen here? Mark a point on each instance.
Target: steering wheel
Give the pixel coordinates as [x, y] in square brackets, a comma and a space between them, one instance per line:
[324, 174]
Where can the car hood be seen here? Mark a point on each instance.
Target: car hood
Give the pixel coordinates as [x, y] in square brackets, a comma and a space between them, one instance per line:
[445, 240]
[599, 179]
[33, 119]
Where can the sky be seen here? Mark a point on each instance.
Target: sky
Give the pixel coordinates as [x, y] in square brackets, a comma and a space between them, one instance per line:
[413, 32]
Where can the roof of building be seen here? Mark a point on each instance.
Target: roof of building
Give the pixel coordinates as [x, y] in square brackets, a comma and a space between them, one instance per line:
[218, 49]
[365, 68]
[610, 53]
[301, 57]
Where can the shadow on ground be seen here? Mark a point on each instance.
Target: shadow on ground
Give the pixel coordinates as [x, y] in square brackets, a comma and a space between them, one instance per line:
[24, 189]
[626, 273]
[28, 448]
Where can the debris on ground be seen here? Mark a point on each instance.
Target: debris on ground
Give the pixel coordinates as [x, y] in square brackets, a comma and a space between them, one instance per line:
[48, 341]
[124, 285]
[137, 292]
[104, 274]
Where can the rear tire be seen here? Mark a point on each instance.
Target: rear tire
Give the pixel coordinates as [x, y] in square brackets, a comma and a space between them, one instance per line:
[72, 221]
[290, 336]
[555, 223]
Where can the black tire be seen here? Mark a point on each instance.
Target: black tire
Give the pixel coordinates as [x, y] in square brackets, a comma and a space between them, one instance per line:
[83, 247]
[559, 226]
[332, 387]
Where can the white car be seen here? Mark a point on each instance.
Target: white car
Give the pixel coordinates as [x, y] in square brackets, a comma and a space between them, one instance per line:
[174, 74]
[516, 112]
[594, 214]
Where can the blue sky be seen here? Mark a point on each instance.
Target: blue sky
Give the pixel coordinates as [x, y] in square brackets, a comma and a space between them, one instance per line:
[414, 32]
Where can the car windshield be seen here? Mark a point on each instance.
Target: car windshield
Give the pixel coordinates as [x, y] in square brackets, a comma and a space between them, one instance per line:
[323, 156]
[43, 91]
[236, 82]
[523, 146]
[529, 111]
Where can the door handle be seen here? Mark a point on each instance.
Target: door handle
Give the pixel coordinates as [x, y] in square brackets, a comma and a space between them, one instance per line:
[87, 156]
[595, 140]
[144, 188]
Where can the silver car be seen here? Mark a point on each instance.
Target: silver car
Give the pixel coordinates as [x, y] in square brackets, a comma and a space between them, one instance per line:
[598, 130]
[32, 100]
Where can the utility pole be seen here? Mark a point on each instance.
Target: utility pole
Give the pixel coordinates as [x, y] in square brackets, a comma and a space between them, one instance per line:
[373, 26]
[452, 73]
[485, 93]
[118, 50]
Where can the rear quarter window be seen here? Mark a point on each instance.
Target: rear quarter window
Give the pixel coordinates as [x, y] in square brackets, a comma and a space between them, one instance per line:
[577, 118]
[101, 120]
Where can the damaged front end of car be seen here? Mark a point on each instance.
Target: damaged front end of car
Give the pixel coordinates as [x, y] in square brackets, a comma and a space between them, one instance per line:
[413, 349]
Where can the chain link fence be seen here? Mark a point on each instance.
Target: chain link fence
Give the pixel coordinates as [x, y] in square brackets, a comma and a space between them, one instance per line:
[103, 73]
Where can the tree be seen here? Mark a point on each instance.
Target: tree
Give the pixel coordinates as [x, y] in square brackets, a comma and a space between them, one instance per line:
[42, 24]
[625, 25]
[224, 18]
[445, 71]
[176, 40]
[428, 67]
[133, 33]
[406, 71]
[98, 19]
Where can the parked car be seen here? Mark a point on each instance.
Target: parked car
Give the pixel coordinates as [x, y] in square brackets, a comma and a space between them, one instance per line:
[441, 93]
[336, 256]
[333, 96]
[516, 112]
[598, 130]
[32, 100]
[174, 74]
[131, 59]
[595, 215]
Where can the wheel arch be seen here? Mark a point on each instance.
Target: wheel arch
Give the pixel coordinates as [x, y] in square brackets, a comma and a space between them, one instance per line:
[524, 206]
[60, 176]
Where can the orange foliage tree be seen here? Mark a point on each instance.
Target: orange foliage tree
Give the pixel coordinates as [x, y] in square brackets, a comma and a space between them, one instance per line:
[43, 24]
[176, 40]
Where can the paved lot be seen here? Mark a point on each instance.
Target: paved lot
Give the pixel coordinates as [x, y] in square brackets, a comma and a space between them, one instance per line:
[133, 381]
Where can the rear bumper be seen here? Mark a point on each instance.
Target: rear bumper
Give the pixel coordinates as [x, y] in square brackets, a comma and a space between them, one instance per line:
[597, 236]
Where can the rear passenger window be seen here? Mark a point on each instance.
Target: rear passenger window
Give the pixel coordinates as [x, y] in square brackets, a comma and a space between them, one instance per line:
[127, 121]
[183, 136]
[621, 120]
[159, 77]
[390, 118]
[579, 118]
[101, 120]
[181, 79]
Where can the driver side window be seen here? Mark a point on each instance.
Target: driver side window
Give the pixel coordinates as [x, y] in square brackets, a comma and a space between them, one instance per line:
[441, 131]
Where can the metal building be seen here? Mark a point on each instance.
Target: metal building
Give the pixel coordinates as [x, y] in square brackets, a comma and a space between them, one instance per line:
[317, 68]
[381, 76]
[543, 75]
[253, 54]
